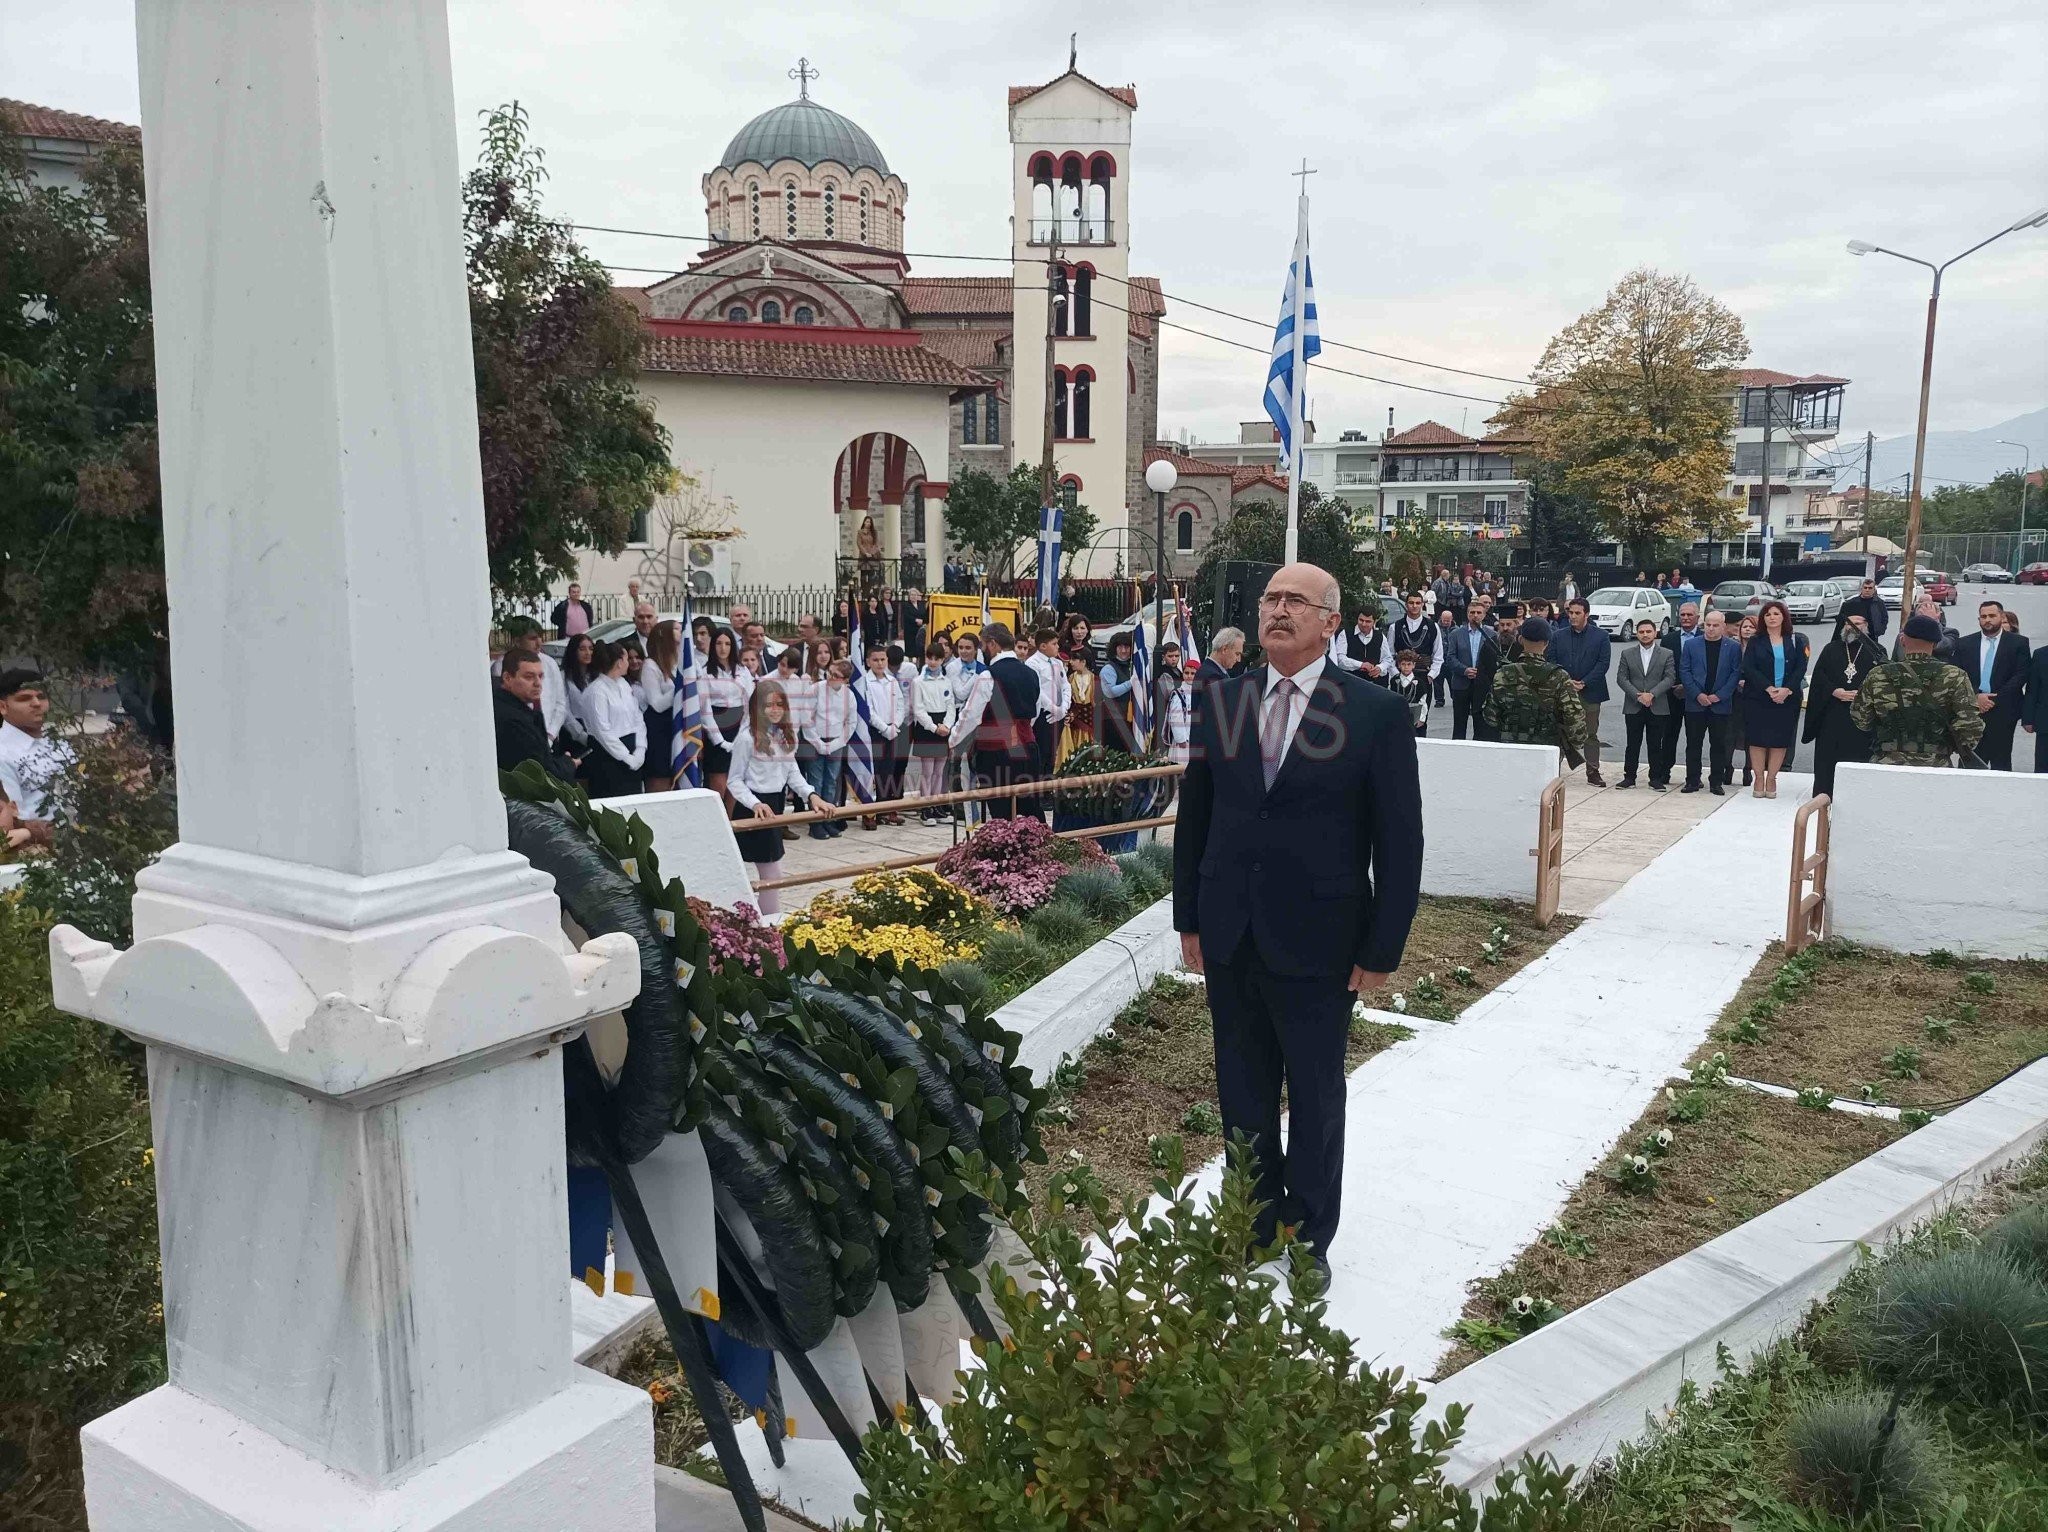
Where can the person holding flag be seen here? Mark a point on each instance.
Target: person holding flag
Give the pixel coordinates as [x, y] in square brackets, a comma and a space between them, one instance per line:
[1142, 699]
[1113, 706]
[883, 711]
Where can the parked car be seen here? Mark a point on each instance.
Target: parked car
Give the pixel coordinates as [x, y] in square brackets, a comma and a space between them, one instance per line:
[1987, 574]
[1813, 601]
[1844, 586]
[1616, 609]
[1737, 599]
[1929, 582]
[2034, 574]
[1099, 638]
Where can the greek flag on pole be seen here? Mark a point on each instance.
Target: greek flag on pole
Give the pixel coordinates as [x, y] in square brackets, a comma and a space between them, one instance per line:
[687, 750]
[855, 647]
[1281, 382]
[1049, 519]
[860, 753]
[1141, 686]
[1184, 631]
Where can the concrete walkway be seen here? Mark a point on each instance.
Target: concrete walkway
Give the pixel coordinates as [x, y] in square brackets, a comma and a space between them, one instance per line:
[1611, 834]
[1463, 1143]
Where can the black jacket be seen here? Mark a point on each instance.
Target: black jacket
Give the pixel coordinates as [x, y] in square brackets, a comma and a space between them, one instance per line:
[1208, 673]
[1876, 616]
[2008, 670]
[560, 615]
[1322, 872]
[1487, 662]
[523, 737]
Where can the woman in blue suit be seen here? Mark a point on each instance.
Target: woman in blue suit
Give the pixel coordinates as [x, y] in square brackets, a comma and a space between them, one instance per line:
[1773, 681]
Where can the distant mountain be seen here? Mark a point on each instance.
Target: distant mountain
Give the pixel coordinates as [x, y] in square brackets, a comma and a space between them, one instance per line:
[1968, 457]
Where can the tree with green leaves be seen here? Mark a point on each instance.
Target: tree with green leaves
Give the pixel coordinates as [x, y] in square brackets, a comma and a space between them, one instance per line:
[1631, 408]
[996, 518]
[571, 450]
[81, 513]
[1257, 534]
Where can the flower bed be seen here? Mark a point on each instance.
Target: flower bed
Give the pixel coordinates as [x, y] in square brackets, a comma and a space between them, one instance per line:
[1911, 1400]
[1015, 864]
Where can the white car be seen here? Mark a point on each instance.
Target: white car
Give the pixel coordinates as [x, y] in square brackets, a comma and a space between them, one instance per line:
[1813, 601]
[1616, 609]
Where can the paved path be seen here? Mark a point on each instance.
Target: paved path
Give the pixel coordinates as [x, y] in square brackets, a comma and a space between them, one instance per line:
[1464, 1142]
[1611, 834]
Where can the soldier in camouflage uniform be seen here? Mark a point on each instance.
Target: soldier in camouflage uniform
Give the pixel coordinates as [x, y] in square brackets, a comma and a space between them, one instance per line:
[1533, 701]
[1920, 710]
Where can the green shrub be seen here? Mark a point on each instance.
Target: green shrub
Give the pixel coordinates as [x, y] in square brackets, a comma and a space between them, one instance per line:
[112, 813]
[971, 979]
[81, 1328]
[1009, 955]
[1097, 890]
[1158, 855]
[1060, 924]
[2021, 1240]
[1202, 1117]
[1846, 1454]
[1140, 881]
[1154, 1384]
[1964, 1324]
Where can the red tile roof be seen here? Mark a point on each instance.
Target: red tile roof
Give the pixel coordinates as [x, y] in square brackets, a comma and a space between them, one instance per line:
[1429, 434]
[1243, 478]
[31, 121]
[1127, 94]
[970, 348]
[637, 296]
[957, 295]
[1759, 377]
[742, 351]
[1187, 467]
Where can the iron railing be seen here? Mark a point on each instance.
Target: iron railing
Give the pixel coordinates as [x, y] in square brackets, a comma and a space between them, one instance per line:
[1806, 908]
[1071, 231]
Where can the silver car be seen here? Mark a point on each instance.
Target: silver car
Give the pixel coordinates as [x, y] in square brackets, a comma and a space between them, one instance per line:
[1813, 601]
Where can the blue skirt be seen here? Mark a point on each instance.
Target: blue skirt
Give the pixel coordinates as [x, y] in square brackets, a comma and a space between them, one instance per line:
[661, 738]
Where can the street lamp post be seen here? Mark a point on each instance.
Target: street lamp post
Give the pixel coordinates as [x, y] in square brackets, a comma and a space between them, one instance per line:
[1160, 478]
[2019, 549]
[1864, 247]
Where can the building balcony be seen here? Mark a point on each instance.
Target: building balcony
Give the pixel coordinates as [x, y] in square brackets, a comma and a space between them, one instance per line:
[1357, 480]
[1072, 231]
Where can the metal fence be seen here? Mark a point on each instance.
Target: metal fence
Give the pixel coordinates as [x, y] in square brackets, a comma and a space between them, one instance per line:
[1954, 552]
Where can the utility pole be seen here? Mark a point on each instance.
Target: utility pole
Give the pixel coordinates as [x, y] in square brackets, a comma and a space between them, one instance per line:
[1047, 487]
[1765, 574]
[1869, 444]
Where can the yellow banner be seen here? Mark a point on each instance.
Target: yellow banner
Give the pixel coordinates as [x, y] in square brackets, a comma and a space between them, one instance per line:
[947, 617]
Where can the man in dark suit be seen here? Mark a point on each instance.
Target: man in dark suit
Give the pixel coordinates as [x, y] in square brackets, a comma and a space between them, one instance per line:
[1672, 726]
[1996, 663]
[1470, 660]
[2034, 706]
[515, 714]
[1709, 665]
[1867, 602]
[1297, 865]
[996, 723]
[1226, 653]
[1584, 652]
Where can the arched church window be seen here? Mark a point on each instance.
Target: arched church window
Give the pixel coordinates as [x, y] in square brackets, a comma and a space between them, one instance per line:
[1070, 199]
[866, 205]
[736, 314]
[1184, 532]
[1079, 390]
[753, 210]
[1041, 197]
[789, 208]
[967, 421]
[1070, 492]
[1059, 404]
[1083, 304]
[771, 312]
[1062, 301]
[804, 314]
[991, 420]
[831, 211]
[1096, 212]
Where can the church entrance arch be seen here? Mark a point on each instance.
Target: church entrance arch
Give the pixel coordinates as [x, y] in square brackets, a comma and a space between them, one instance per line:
[878, 486]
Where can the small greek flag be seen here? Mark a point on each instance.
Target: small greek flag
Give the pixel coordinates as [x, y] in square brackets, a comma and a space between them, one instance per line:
[686, 751]
[1283, 388]
[1184, 631]
[1141, 686]
[860, 753]
[984, 606]
[856, 649]
[1049, 519]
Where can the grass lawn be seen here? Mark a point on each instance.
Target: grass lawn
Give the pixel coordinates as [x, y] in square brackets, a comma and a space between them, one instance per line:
[1747, 1153]
[1722, 1459]
[1926, 1031]
[1155, 1071]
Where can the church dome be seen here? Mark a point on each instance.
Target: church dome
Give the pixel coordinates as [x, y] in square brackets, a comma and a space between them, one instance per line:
[804, 130]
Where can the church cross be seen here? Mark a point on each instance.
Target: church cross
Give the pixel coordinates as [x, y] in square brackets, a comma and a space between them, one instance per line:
[1302, 175]
[803, 74]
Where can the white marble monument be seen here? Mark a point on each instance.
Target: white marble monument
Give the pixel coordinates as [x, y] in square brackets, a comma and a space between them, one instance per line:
[354, 995]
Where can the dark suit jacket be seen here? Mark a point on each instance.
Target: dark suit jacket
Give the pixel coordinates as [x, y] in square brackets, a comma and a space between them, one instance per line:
[560, 615]
[1323, 872]
[1675, 642]
[1486, 664]
[522, 736]
[2034, 709]
[1208, 673]
[2008, 670]
[1692, 674]
[1584, 657]
[1757, 668]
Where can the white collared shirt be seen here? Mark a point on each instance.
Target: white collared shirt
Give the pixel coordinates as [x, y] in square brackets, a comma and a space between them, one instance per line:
[884, 694]
[1055, 692]
[753, 774]
[28, 764]
[612, 713]
[1305, 680]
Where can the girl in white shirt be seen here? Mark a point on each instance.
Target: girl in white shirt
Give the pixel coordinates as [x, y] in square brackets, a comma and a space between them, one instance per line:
[966, 667]
[763, 773]
[613, 718]
[726, 685]
[576, 678]
[933, 707]
[654, 688]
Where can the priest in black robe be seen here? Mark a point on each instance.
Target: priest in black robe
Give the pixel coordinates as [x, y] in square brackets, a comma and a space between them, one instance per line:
[1838, 675]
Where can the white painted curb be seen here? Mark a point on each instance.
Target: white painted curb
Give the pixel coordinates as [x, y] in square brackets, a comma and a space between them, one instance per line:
[1067, 1009]
[1577, 1389]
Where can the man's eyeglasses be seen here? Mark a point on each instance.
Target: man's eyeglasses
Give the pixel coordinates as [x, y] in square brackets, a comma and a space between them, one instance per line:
[1288, 601]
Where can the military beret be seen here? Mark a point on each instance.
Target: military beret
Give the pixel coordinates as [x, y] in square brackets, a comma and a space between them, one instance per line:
[1535, 630]
[1922, 627]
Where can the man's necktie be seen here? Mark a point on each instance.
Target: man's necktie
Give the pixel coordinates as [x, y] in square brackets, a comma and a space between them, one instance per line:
[1273, 728]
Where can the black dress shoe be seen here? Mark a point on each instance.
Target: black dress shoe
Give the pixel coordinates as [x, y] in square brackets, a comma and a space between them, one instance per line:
[1720, 791]
[1693, 787]
[1626, 782]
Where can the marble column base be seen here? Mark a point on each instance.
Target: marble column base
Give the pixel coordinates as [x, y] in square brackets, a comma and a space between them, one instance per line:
[174, 1462]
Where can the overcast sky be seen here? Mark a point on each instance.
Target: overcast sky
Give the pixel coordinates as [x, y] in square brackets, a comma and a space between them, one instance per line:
[1485, 169]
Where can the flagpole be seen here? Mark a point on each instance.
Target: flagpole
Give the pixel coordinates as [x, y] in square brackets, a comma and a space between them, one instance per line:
[1299, 377]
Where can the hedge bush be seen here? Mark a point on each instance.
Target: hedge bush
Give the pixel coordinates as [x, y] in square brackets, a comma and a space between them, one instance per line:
[81, 1324]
